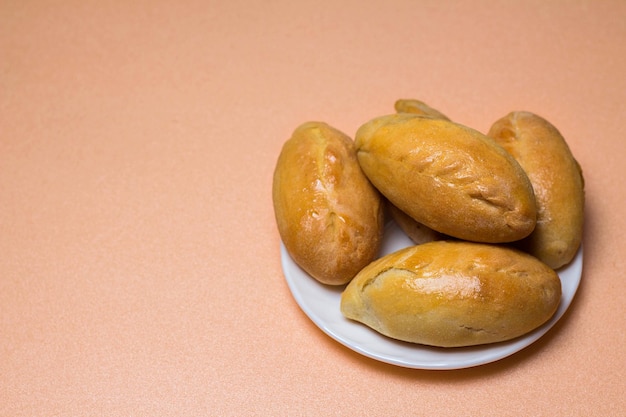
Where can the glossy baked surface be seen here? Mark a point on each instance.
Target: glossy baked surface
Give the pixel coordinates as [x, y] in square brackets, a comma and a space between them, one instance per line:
[321, 304]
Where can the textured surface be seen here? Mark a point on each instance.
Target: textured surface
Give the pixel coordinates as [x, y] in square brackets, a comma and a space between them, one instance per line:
[557, 182]
[453, 294]
[140, 270]
[328, 215]
[450, 177]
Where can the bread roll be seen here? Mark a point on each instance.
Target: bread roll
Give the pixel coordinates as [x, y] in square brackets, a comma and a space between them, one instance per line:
[452, 294]
[416, 231]
[418, 107]
[329, 216]
[557, 181]
[449, 177]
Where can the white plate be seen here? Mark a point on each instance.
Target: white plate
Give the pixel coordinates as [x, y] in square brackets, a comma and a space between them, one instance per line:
[321, 303]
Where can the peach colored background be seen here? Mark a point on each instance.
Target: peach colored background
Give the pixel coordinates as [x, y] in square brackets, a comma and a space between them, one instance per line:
[139, 259]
